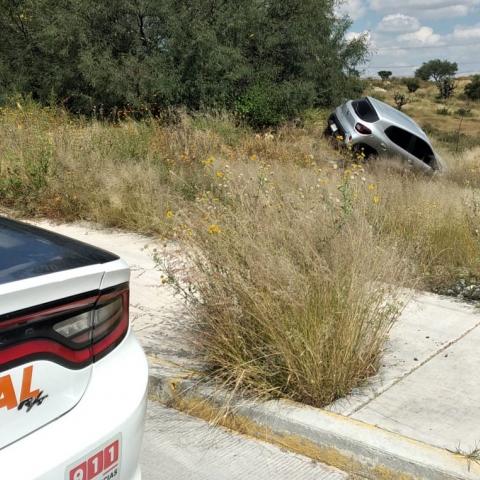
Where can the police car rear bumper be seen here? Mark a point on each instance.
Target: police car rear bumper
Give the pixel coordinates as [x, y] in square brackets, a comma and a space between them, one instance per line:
[112, 409]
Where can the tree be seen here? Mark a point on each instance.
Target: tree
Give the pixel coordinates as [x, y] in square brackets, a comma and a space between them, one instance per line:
[412, 84]
[436, 70]
[442, 72]
[266, 60]
[472, 89]
[384, 75]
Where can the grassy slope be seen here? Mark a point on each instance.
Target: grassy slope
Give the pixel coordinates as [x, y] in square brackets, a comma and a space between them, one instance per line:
[292, 245]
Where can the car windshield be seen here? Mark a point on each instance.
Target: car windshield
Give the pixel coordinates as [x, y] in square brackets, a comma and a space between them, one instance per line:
[411, 143]
[364, 109]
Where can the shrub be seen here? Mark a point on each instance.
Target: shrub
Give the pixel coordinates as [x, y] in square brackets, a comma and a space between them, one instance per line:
[265, 105]
[472, 90]
[400, 100]
[291, 292]
[412, 84]
[446, 86]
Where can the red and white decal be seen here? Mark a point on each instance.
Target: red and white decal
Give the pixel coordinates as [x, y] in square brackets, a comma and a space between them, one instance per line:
[101, 464]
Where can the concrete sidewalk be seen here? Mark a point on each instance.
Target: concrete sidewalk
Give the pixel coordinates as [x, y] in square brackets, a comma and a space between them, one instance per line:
[428, 388]
[424, 401]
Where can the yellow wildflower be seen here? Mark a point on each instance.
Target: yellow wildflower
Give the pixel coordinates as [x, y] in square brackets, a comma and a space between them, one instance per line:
[220, 174]
[376, 199]
[371, 187]
[208, 161]
[169, 214]
[253, 157]
[214, 229]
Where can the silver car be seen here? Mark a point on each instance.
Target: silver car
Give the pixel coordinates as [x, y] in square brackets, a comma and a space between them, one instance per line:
[370, 126]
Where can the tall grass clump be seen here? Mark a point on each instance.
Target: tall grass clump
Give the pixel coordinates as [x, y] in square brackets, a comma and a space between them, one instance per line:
[292, 291]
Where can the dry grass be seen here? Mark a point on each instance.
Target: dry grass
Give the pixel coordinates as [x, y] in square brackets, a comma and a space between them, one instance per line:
[292, 290]
[294, 256]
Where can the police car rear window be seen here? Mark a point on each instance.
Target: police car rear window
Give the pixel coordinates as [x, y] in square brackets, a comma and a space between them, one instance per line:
[27, 251]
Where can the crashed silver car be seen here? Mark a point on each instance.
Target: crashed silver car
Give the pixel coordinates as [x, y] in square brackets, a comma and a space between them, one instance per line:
[370, 126]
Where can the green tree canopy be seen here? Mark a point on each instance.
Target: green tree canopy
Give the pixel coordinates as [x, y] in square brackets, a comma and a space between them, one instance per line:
[437, 70]
[133, 54]
[384, 74]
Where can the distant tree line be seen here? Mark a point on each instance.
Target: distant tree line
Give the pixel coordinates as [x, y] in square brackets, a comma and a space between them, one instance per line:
[266, 60]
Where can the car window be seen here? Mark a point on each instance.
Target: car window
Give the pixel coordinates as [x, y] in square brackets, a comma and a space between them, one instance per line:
[411, 143]
[26, 251]
[364, 109]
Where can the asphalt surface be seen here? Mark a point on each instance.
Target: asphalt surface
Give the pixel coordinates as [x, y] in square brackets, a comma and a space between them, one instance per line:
[179, 447]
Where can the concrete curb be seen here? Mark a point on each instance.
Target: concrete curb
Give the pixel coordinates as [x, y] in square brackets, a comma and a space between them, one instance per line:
[342, 442]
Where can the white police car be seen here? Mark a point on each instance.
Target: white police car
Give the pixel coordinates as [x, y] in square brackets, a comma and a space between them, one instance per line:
[73, 378]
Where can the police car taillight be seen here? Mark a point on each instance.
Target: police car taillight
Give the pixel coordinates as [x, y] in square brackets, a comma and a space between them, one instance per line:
[110, 322]
[101, 327]
[74, 333]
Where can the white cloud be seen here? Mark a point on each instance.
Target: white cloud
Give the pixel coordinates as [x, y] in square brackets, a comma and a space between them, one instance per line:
[354, 35]
[432, 9]
[466, 32]
[423, 36]
[398, 23]
[409, 35]
[355, 9]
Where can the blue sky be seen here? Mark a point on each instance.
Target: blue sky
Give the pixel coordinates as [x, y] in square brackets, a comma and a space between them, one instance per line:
[405, 33]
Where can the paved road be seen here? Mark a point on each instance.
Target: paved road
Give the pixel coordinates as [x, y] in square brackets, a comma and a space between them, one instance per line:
[179, 447]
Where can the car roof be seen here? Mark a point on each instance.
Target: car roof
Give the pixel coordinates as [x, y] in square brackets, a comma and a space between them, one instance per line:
[27, 251]
[391, 114]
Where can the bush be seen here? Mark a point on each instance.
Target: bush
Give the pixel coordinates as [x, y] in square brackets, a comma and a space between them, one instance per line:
[291, 293]
[446, 86]
[412, 84]
[472, 90]
[400, 100]
[265, 105]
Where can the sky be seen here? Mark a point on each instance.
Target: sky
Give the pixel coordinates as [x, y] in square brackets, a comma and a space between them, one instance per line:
[405, 33]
